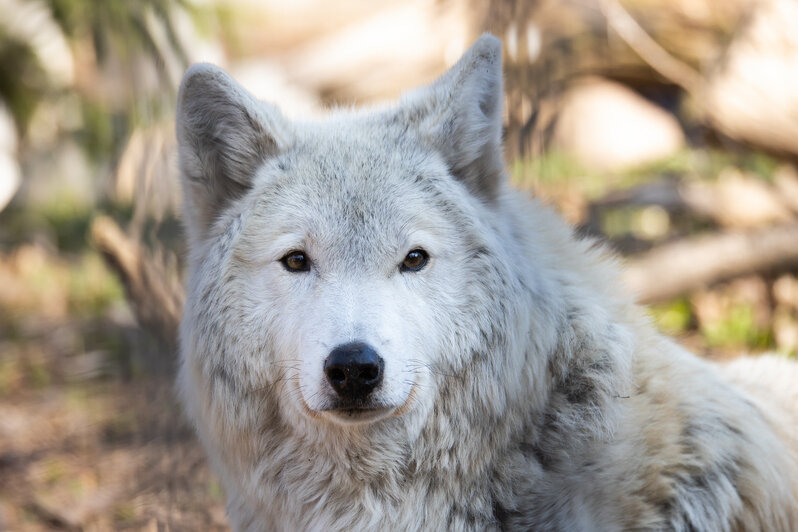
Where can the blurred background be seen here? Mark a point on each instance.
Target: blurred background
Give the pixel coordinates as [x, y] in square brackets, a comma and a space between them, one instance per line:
[668, 128]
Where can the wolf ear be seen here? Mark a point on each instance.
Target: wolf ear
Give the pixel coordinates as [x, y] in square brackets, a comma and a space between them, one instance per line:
[224, 134]
[460, 115]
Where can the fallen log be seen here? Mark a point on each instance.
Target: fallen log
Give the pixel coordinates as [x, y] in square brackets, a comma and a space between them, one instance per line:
[678, 268]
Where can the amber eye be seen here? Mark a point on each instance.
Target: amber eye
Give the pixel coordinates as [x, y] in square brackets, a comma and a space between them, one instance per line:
[414, 261]
[296, 261]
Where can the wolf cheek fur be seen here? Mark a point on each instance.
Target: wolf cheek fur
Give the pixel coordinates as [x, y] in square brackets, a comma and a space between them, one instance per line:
[506, 383]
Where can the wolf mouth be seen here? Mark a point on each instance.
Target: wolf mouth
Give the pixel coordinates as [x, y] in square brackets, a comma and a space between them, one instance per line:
[359, 412]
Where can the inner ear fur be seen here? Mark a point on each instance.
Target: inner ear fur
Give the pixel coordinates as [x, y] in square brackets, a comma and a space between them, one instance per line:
[460, 115]
[224, 135]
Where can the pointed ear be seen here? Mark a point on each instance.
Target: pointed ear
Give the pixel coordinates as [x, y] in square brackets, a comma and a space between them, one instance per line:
[224, 134]
[460, 115]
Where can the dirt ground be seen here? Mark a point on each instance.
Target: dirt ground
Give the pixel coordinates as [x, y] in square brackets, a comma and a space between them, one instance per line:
[113, 456]
[91, 436]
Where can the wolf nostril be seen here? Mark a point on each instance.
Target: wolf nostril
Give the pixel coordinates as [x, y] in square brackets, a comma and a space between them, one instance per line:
[369, 373]
[354, 370]
[336, 374]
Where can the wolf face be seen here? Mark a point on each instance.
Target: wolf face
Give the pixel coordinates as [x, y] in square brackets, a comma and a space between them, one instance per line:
[346, 281]
[341, 273]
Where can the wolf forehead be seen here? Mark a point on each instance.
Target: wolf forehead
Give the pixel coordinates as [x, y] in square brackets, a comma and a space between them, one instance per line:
[340, 173]
[354, 156]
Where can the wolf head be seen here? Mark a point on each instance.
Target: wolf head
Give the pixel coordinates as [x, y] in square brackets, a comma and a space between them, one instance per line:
[341, 267]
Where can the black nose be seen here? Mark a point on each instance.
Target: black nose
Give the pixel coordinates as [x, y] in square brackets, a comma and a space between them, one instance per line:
[353, 370]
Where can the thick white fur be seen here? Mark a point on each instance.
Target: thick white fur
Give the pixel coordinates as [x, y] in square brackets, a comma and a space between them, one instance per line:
[522, 388]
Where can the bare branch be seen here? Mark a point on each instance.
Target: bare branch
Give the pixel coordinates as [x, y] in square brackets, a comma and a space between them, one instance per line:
[156, 301]
[648, 49]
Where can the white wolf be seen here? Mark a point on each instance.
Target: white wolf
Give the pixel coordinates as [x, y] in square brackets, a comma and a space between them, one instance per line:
[380, 334]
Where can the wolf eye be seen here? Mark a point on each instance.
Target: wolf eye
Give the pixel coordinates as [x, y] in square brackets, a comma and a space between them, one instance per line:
[296, 261]
[414, 261]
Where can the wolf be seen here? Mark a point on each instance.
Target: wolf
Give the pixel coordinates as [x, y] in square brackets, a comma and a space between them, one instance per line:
[379, 333]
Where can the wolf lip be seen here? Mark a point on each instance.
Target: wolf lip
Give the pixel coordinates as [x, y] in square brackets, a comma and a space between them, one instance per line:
[355, 407]
[359, 412]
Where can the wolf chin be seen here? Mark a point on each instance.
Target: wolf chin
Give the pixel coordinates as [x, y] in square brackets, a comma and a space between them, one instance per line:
[380, 334]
